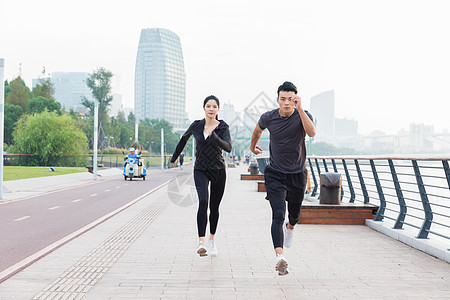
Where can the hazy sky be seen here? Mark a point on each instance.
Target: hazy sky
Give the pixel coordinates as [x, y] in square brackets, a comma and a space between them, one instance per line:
[388, 61]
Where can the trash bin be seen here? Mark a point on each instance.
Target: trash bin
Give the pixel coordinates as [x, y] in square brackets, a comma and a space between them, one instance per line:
[330, 188]
[254, 168]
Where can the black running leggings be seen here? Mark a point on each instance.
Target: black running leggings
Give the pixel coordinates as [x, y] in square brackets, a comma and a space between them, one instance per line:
[282, 188]
[217, 189]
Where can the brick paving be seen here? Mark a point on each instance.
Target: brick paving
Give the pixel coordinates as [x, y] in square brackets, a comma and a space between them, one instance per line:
[148, 252]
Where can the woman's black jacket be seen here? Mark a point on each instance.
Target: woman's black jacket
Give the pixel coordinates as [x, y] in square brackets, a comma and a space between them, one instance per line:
[208, 155]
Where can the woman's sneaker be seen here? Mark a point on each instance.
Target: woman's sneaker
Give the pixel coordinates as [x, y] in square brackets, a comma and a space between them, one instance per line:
[201, 249]
[212, 250]
[281, 265]
[288, 235]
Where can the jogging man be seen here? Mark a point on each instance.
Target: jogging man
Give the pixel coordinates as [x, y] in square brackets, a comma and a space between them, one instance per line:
[285, 176]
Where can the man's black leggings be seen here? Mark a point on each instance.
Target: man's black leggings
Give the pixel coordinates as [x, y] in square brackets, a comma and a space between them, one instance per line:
[217, 189]
[282, 188]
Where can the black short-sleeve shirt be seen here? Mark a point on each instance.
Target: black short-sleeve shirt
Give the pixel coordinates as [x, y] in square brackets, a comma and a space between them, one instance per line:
[287, 141]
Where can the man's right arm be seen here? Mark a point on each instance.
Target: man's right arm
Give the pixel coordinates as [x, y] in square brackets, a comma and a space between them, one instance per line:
[255, 138]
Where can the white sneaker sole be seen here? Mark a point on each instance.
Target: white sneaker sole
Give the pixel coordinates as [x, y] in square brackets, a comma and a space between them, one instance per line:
[281, 267]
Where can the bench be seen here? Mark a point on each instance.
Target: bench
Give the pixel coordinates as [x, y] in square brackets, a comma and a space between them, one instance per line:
[91, 168]
[252, 177]
[340, 214]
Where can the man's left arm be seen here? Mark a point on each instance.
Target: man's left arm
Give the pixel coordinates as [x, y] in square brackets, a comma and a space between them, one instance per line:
[308, 124]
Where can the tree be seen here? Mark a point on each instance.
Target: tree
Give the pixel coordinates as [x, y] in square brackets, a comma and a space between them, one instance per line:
[48, 135]
[19, 93]
[7, 88]
[44, 88]
[100, 84]
[12, 115]
[39, 104]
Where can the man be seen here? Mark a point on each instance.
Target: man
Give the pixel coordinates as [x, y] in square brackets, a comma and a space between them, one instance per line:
[285, 176]
[134, 165]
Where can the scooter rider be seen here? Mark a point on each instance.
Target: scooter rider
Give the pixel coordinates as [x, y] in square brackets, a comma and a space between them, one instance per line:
[133, 155]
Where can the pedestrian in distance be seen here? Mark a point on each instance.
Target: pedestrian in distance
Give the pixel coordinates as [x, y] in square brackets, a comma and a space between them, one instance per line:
[181, 160]
[285, 176]
[211, 136]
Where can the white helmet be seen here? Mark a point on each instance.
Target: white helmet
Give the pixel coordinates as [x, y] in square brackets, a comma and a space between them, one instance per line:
[132, 149]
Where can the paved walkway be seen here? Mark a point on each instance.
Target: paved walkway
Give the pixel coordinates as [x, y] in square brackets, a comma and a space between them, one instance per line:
[148, 252]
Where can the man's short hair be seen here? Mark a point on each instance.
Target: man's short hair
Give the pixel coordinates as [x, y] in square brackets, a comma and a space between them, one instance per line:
[287, 87]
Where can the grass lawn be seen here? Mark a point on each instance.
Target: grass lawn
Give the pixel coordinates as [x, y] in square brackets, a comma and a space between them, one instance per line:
[14, 173]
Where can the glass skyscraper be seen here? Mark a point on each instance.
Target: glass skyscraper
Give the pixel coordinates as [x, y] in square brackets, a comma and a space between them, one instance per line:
[160, 80]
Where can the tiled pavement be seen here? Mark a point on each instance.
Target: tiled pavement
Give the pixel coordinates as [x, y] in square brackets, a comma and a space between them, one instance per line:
[148, 252]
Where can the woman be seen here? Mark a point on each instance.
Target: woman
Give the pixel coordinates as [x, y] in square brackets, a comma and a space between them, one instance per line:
[212, 136]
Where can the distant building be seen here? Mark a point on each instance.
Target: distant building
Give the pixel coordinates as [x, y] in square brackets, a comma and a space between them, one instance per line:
[160, 79]
[345, 127]
[70, 88]
[116, 105]
[322, 109]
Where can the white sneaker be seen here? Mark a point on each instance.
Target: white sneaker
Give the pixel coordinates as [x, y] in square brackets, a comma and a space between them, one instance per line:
[201, 249]
[288, 235]
[212, 250]
[281, 265]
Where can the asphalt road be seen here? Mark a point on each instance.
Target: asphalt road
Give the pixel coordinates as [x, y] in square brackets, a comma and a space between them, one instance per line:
[30, 225]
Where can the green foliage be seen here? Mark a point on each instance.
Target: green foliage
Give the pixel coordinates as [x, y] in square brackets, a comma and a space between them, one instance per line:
[7, 88]
[48, 135]
[12, 114]
[39, 104]
[44, 88]
[18, 94]
[328, 149]
[100, 84]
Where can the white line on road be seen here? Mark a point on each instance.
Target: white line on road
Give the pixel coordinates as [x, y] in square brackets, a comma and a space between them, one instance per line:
[76, 200]
[54, 207]
[117, 186]
[20, 219]
[93, 195]
[107, 190]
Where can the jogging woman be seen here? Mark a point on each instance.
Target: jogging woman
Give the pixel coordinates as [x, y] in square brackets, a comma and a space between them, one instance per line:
[212, 136]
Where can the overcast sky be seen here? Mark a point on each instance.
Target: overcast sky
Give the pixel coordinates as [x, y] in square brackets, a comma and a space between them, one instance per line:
[387, 61]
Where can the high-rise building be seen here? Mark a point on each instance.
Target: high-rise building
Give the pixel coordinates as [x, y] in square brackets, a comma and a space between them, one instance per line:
[70, 88]
[160, 80]
[322, 109]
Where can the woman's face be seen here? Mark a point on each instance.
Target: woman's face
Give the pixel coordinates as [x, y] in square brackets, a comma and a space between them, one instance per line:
[211, 109]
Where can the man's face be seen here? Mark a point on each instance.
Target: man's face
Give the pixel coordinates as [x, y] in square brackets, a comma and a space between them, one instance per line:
[285, 101]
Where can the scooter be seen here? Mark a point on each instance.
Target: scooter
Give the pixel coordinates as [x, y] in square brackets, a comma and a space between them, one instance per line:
[139, 172]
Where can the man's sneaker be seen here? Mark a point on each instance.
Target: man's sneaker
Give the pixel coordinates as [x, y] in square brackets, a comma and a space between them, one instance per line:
[201, 249]
[288, 235]
[212, 250]
[281, 265]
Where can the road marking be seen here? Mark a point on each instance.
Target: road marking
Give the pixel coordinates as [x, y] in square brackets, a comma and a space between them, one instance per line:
[107, 190]
[54, 207]
[76, 200]
[117, 186]
[20, 219]
[93, 195]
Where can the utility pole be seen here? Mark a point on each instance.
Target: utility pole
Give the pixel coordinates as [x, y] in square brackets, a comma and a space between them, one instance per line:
[2, 121]
[162, 148]
[94, 160]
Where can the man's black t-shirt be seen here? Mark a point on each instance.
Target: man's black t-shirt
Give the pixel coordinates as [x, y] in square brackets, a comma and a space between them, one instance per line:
[287, 141]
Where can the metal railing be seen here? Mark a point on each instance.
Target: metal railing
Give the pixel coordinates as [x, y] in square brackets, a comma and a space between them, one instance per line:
[410, 191]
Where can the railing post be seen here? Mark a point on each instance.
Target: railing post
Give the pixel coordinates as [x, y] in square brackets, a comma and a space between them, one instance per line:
[336, 171]
[447, 171]
[423, 234]
[318, 167]
[381, 209]
[349, 181]
[325, 165]
[313, 193]
[361, 181]
[401, 200]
